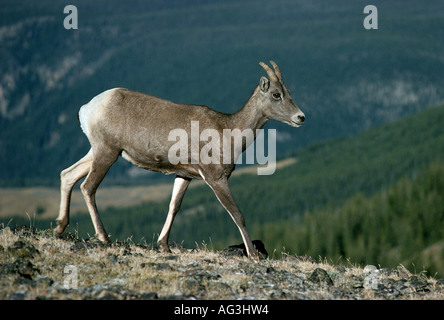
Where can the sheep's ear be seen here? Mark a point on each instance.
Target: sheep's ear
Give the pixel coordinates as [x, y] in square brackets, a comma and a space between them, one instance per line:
[264, 84]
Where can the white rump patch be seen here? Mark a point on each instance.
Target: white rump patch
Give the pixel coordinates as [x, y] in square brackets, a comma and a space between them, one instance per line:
[92, 108]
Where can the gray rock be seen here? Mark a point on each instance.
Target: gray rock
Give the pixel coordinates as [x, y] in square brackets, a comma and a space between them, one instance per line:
[419, 286]
[23, 249]
[239, 250]
[112, 258]
[372, 280]
[20, 266]
[320, 276]
[218, 286]
[341, 269]
[369, 269]
[44, 280]
[191, 285]
[148, 296]
[203, 275]
[192, 264]
[109, 295]
[18, 295]
[157, 266]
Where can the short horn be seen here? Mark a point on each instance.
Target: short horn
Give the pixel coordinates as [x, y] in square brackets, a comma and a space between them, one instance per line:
[277, 71]
[270, 72]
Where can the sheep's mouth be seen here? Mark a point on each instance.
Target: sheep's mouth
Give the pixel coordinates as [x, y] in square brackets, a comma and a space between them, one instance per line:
[296, 124]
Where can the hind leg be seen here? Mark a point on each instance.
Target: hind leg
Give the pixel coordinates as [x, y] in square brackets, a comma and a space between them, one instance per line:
[102, 161]
[68, 178]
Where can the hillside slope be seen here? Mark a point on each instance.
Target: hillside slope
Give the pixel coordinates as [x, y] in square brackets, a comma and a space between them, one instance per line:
[345, 78]
[403, 223]
[38, 266]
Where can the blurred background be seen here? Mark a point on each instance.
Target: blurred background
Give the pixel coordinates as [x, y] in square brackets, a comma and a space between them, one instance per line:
[361, 181]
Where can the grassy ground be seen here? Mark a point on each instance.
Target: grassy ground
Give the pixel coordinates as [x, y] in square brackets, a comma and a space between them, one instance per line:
[36, 265]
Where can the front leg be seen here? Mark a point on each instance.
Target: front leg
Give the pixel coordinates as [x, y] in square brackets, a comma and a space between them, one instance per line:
[180, 186]
[223, 193]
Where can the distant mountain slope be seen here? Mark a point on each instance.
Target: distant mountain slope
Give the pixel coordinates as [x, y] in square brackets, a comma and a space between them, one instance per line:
[403, 223]
[344, 78]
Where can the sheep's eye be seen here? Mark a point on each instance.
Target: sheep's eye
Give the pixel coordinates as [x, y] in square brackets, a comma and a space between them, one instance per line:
[277, 95]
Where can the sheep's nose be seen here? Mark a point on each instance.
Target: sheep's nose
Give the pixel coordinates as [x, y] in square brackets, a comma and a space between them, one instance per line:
[301, 118]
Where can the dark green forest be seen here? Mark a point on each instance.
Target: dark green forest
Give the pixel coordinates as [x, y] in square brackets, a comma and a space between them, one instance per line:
[402, 224]
[373, 198]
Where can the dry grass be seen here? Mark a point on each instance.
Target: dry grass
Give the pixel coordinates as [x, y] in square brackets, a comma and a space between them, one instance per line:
[132, 271]
[44, 202]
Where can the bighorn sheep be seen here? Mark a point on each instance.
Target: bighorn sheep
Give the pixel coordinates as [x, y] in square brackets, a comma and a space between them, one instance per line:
[137, 126]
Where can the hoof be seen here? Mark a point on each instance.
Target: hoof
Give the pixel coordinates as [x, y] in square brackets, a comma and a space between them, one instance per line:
[103, 237]
[164, 248]
[255, 258]
[58, 230]
[56, 233]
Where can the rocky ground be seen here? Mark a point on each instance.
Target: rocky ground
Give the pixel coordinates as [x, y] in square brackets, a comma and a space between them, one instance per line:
[36, 265]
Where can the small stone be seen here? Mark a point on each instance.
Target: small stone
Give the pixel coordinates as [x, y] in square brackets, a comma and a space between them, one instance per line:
[192, 264]
[277, 294]
[419, 286]
[109, 295]
[164, 266]
[112, 258]
[149, 296]
[191, 285]
[21, 266]
[239, 250]
[372, 280]
[369, 269]
[320, 276]
[234, 251]
[155, 281]
[270, 270]
[218, 286]
[23, 249]
[78, 246]
[355, 282]
[341, 269]
[401, 286]
[117, 282]
[204, 275]
[18, 295]
[157, 266]
[44, 280]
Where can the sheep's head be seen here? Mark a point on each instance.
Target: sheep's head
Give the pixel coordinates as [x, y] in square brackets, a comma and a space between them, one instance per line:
[277, 103]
